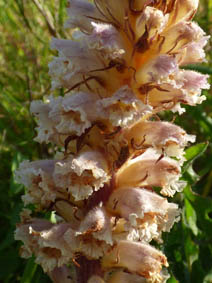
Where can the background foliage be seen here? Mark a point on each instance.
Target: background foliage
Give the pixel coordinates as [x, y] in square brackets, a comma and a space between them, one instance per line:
[26, 29]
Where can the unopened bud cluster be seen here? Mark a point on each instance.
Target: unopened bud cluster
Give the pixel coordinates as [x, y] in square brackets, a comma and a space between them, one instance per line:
[120, 69]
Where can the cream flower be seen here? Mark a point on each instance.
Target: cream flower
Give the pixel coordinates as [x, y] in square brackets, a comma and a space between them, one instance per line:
[83, 175]
[37, 178]
[45, 241]
[161, 135]
[149, 169]
[72, 115]
[80, 13]
[137, 258]
[144, 210]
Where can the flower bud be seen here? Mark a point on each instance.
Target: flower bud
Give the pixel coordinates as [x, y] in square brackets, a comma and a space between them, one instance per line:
[68, 212]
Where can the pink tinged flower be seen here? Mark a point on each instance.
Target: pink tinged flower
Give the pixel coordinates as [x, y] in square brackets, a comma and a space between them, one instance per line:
[194, 81]
[135, 204]
[82, 175]
[170, 98]
[194, 52]
[161, 135]
[60, 118]
[36, 176]
[53, 245]
[156, 69]
[46, 125]
[148, 170]
[123, 108]
[78, 111]
[86, 244]
[138, 258]
[77, 52]
[78, 61]
[174, 89]
[46, 242]
[179, 35]
[61, 274]
[107, 40]
[81, 13]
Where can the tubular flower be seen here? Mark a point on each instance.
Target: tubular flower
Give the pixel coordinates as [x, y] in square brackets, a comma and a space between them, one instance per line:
[121, 69]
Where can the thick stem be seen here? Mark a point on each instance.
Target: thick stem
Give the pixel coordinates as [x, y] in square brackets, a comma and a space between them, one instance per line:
[87, 268]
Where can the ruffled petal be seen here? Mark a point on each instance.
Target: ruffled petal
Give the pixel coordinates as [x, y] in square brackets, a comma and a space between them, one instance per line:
[82, 175]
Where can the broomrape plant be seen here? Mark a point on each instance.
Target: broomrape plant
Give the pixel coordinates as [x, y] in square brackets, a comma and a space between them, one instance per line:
[121, 69]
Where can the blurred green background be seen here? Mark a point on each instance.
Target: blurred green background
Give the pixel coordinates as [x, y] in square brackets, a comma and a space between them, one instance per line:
[26, 28]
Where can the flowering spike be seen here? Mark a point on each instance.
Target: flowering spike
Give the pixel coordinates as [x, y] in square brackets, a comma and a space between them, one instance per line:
[122, 67]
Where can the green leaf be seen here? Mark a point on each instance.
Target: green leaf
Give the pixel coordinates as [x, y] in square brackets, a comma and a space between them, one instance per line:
[198, 273]
[9, 262]
[193, 153]
[191, 216]
[29, 271]
[9, 239]
[172, 280]
[203, 207]
[190, 248]
[15, 188]
[190, 175]
[199, 68]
